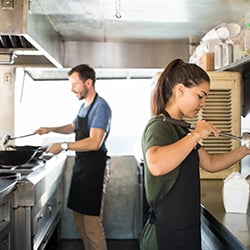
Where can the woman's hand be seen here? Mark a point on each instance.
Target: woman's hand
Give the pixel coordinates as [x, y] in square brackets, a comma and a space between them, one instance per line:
[204, 129]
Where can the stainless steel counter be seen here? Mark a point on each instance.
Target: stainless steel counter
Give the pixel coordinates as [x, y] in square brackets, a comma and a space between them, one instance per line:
[234, 228]
[30, 206]
[36, 206]
[6, 186]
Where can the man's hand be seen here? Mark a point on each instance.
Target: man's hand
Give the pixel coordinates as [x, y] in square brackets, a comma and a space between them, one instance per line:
[42, 131]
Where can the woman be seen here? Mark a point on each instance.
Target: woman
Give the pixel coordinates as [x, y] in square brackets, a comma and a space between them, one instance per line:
[172, 157]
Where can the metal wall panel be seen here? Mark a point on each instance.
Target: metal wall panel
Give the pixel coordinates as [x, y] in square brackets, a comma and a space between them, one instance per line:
[123, 55]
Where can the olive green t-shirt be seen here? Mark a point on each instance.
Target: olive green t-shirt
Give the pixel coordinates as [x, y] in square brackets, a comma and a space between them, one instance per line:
[158, 133]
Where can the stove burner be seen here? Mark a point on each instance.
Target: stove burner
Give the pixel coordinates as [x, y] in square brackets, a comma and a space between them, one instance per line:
[23, 169]
[10, 176]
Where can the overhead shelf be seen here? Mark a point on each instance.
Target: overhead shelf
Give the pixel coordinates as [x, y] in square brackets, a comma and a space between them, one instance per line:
[242, 65]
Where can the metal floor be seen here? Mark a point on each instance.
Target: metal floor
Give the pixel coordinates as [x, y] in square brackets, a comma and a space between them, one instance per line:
[112, 245]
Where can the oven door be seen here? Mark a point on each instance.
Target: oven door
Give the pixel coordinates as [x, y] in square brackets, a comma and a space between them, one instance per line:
[46, 219]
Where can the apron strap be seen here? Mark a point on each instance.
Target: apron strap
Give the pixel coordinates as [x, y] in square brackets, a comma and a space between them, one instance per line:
[91, 105]
[166, 114]
[151, 216]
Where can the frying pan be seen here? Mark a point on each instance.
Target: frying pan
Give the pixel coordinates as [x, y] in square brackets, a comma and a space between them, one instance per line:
[19, 155]
[38, 149]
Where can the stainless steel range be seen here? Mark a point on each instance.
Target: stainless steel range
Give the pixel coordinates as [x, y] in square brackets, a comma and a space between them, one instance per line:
[6, 188]
[36, 202]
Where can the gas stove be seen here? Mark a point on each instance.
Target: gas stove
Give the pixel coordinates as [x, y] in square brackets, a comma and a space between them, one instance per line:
[37, 202]
[19, 172]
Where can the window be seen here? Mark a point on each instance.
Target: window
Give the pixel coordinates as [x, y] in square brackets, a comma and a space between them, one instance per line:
[51, 103]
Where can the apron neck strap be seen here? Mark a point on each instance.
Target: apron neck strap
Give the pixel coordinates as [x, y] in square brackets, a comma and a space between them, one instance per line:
[92, 104]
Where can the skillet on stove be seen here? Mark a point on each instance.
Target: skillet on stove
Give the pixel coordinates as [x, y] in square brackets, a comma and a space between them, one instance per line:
[18, 155]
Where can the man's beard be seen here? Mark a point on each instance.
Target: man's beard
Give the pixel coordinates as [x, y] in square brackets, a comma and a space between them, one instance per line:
[83, 95]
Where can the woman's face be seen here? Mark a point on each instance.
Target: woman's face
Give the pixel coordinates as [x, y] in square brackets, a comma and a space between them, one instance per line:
[193, 99]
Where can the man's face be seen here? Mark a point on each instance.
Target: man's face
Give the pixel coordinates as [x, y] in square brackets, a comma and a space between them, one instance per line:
[78, 86]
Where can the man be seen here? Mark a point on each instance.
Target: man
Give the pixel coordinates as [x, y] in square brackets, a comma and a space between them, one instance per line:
[91, 127]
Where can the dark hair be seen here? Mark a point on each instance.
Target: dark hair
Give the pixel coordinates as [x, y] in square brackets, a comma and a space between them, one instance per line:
[85, 72]
[176, 72]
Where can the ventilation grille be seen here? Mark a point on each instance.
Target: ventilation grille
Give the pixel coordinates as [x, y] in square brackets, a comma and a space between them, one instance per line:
[218, 110]
[223, 109]
[14, 42]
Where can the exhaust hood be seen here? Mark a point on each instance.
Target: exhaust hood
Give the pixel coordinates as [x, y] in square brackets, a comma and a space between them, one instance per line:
[27, 37]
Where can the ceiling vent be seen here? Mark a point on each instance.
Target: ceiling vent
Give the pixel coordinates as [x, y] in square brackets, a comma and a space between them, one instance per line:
[28, 37]
[14, 42]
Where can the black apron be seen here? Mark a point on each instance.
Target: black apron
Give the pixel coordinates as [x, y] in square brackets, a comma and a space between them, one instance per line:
[85, 192]
[177, 215]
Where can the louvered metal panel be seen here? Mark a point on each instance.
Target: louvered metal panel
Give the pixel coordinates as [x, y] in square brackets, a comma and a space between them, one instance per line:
[223, 109]
[219, 111]
[15, 41]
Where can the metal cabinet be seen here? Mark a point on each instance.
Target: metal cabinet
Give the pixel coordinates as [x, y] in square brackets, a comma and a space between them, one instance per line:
[6, 188]
[122, 216]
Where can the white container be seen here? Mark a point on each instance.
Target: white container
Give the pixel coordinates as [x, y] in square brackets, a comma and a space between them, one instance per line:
[227, 54]
[247, 40]
[237, 51]
[217, 56]
[235, 194]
